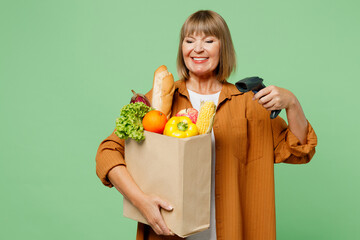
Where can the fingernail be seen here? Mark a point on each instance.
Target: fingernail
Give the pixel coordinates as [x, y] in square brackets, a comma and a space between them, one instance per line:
[170, 207]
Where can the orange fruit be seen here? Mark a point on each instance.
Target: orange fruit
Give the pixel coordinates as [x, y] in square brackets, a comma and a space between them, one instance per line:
[154, 121]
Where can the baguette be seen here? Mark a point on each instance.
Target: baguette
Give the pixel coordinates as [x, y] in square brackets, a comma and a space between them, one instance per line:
[163, 90]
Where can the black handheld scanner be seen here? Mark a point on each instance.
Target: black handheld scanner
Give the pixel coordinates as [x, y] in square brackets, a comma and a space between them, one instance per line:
[254, 84]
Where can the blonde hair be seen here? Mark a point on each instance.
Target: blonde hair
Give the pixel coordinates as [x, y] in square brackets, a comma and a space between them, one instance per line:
[211, 24]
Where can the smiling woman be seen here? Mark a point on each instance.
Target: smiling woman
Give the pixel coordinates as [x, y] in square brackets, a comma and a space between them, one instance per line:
[245, 141]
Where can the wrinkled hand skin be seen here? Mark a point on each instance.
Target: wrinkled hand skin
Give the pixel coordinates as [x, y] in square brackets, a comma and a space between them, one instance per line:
[275, 98]
[148, 205]
[150, 209]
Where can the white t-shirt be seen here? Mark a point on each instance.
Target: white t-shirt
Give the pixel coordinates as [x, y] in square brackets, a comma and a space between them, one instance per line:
[209, 234]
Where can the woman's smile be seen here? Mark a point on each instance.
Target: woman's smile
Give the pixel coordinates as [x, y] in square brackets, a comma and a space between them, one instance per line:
[198, 60]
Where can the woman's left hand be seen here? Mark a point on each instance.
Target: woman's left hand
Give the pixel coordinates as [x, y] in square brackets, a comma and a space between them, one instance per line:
[274, 98]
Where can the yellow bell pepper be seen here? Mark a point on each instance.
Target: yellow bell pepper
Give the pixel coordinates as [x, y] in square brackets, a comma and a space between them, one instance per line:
[180, 127]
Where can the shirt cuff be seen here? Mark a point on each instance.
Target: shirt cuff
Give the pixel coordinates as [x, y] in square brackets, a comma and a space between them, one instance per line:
[296, 148]
[109, 159]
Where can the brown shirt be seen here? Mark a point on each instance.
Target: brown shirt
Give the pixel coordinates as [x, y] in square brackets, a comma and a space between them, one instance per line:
[248, 143]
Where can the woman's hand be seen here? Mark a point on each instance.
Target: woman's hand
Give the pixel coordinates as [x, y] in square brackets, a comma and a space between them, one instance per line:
[148, 205]
[275, 98]
[150, 208]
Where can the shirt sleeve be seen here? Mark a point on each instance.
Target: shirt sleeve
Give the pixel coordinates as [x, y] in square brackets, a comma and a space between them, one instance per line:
[109, 154]
[287, 147]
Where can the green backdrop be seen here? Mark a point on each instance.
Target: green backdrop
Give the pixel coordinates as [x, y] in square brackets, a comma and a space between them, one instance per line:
[67, 67]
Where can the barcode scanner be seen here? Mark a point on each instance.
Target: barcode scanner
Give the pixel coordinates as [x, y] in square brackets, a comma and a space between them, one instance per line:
[254, 84]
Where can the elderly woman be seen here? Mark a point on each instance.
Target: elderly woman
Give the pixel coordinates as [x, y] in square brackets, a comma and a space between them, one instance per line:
[246, 142]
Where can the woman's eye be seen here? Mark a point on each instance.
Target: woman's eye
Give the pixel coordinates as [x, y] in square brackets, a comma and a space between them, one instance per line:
[209, 41]
[188, 41]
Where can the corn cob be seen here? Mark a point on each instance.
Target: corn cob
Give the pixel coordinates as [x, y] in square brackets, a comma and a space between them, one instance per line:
[206, 117]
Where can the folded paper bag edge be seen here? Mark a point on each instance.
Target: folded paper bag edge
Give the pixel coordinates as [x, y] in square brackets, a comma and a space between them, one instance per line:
[197, 230]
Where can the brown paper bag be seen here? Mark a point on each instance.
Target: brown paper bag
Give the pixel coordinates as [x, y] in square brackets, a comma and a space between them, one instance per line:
[178, 170]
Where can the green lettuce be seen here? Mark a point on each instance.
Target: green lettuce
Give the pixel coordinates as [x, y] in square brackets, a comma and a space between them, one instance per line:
[129, 124]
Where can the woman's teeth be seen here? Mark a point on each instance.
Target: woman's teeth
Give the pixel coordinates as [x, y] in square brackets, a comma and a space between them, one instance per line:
[199, 59]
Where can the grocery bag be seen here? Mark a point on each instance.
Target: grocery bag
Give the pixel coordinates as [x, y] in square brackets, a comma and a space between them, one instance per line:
[177, 170]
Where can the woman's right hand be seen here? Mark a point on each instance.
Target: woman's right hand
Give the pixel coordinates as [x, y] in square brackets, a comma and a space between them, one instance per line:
[148, 205]
[150, 208]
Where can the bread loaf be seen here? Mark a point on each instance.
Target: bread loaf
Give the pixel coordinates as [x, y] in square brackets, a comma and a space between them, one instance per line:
[163, 90]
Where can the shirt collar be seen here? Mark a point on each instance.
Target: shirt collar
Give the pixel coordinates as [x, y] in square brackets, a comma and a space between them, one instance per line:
[228, 90]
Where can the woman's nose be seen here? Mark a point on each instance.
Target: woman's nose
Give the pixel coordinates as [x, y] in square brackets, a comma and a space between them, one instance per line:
[199, 47]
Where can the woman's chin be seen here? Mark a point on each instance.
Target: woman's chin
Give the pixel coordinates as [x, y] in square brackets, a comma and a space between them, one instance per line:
[203, 74]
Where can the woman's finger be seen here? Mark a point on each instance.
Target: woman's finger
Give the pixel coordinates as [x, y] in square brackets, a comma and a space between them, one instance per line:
[165, 205]
[262, 93]
[164, 229]
[157, 229]
[269, 104]
[273, 108]
[153, 215]
[265, 99]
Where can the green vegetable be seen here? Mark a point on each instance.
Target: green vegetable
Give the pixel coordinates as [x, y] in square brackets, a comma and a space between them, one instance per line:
[129, 124]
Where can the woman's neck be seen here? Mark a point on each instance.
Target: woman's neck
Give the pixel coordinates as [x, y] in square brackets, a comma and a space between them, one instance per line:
[203, 85]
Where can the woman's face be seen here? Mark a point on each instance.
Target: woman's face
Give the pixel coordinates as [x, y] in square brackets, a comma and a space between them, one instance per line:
[201, 54]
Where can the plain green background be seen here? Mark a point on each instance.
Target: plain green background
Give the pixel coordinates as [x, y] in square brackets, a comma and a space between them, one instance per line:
[67, 68]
